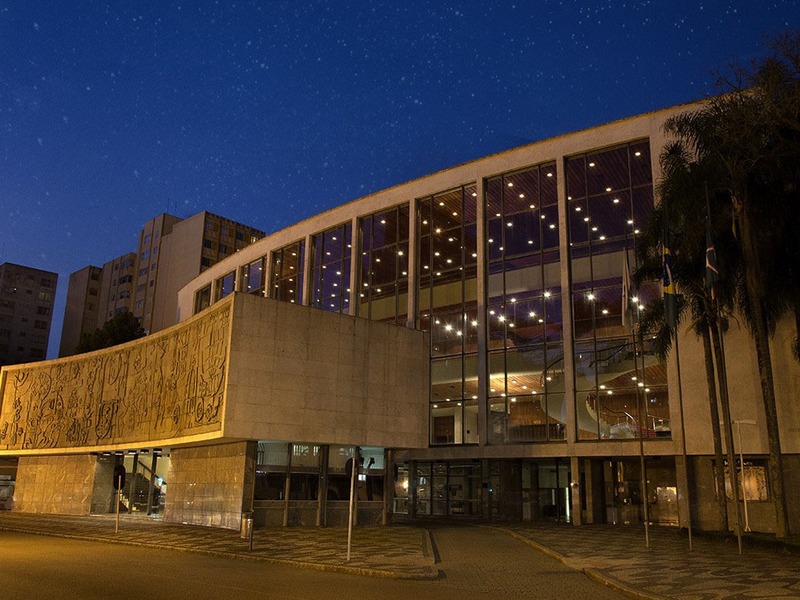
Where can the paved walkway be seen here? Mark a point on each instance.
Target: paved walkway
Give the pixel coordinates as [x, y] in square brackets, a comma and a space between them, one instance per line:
[398, 551]
[477, 558]
[712, 570]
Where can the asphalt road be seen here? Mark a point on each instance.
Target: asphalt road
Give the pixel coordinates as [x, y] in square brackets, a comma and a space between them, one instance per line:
[477, 563]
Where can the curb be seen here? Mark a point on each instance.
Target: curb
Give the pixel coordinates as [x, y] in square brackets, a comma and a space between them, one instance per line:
[592, 574]
[432, 572]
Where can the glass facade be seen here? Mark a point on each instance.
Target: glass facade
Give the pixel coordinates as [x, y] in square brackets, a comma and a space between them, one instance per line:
[383, 276]
[620, 385]
[287, 273]
[252, 277]
[330, 269]
[448, 309]
[224, 286]
[524, 322]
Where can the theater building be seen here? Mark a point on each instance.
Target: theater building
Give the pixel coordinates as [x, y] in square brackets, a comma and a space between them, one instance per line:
[467, 332]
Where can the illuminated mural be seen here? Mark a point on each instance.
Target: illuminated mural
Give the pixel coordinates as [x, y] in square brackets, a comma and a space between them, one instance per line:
[164, 386]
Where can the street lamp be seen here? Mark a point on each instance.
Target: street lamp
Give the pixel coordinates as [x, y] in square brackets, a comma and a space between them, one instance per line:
[739, 423]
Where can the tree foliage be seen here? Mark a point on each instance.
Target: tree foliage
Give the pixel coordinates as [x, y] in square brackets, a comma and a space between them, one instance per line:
[740, 154]
[124, 327]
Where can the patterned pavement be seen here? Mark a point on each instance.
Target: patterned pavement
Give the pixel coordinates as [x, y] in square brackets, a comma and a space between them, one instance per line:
[397, 551]
[713, 569]
[613, 555]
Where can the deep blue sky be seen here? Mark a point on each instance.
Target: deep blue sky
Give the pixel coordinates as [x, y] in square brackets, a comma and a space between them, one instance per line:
[269, 112]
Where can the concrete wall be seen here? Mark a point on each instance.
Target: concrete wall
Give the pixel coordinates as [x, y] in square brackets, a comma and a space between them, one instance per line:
[55, 484]
[302, 374]
[210, 485]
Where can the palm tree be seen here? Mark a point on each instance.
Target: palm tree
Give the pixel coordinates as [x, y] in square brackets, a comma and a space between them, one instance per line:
[752, 142]
[682, 191]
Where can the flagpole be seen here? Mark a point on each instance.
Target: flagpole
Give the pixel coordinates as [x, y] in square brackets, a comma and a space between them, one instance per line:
[711, 274]
[642, 425]
[683, 443]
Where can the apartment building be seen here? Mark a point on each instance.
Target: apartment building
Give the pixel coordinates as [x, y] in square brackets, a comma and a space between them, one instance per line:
[171, 251]
[26, 311]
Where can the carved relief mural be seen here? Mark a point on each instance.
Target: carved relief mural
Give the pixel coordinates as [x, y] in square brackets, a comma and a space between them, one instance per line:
[163, 386]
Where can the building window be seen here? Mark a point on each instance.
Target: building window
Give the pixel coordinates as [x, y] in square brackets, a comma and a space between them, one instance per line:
[142, 271]
[383, 277]
[153, 266]
[223, 249]
[140, 287]
[45, 296]
[144, 255]
[447, 288]
[42, 310]
[253, 277]
[202, 299]
[287, 273]
[330, 271]
[523, 316]
[208, 244]
[752, 480]
[620, 383]
[240, 236]
[224, 286]
[205, 262]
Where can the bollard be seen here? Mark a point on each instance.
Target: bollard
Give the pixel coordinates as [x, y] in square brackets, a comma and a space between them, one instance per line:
[247, 527]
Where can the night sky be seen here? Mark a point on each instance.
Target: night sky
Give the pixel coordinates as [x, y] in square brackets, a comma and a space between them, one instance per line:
[269, 112]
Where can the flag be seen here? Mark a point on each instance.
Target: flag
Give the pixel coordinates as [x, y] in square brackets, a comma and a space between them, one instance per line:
[712, 272]
[667, 283]
[626, 290]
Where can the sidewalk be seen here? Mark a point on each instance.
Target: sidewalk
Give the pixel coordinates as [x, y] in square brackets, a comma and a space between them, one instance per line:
[713, 569]
[402, 552]
[615, 556]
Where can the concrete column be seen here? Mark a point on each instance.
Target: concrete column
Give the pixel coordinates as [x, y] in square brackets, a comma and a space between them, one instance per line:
[412, 484]
[682, 482]
[287, 486]
[151, 487]
[322, 489]
[307, 276]
[413, 262]
[575, 490]
[249, 487]
[355, 264]
[388, 485]
[482, 280]
[571, 426]
[486, 484]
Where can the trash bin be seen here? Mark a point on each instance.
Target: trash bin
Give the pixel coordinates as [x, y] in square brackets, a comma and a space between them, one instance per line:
[247, 525]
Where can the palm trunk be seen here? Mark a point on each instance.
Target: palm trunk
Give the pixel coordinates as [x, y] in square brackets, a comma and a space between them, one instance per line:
[761, 339]
[719, 461]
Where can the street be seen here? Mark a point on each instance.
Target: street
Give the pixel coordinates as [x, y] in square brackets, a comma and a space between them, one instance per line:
[476, 562]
